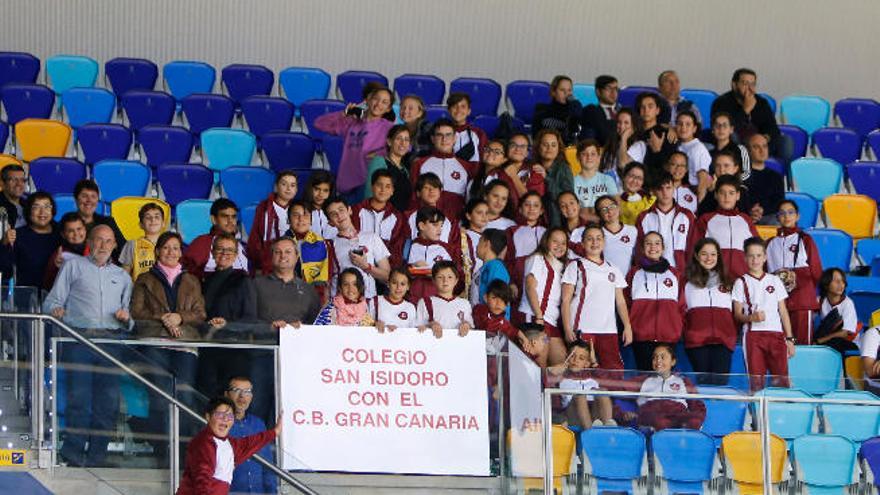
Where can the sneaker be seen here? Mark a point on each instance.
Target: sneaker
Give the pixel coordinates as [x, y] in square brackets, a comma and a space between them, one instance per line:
[610, 422]
[597, 422]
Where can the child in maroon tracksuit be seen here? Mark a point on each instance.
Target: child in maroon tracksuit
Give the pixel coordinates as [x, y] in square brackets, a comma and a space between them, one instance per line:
[426, 250]
[727, 225]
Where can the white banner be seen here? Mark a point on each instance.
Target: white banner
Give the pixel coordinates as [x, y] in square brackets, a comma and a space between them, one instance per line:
[404, 402]
[526, 444]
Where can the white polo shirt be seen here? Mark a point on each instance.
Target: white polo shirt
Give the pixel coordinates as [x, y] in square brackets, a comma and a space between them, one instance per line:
[595, 290]
[761, 294]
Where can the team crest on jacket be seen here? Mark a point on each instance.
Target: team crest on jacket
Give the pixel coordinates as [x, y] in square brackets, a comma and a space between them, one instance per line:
[456, 175]
[625, 239]
[611, 277]
[667, 282]
[675, 387]
[722, 289]
[461, 316]
[688, 198]
[403, 315]
[681, 228]
[793, 248]
[770, 289]
[438, 258]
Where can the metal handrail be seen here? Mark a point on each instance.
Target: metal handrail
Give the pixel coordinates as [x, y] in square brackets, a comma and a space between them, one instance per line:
[168, 398]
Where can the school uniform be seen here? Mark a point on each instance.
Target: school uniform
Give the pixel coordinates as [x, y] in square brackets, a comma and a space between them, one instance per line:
[429, 252]
[450, 232]
[675, 226]
[709, 329]
[593, 306]
[321, 225]
[388, 223]
[454, 174]
[869, 346]
[618, 246]
[522, 240]
[660, 414]
[548, 275]
[500, 223]
[847, 311]
[374, 251]
[655, 309]
[686, 198]
[449, 313]
[731, 229]
[763, 342]
[401, 315]
[795, 250]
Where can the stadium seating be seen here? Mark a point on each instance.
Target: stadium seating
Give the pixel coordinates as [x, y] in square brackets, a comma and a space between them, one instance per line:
[193, 218]
[183, 181]
[350, 84]
[819, 177]
[18, 67]
[670, 447]
[433, 113]
[164, 144]
[39, 137]
[88, 106]
[799, 138]
[770, 101]
[485, 94]
[859, 114]
[835, 247]
[27, 101]
[810, 113]
[125, 211]
[585, 94]
[866, 302]
[6, 160]
[118, 178]
[247, 214]
[865, 178]
[300, 84]
[522, 96]
[247, 185]
[243, 80]
[867, 250]
[857, 423]
[145, 108]
[873, 142]
[70, 71]
[856, 283]
[313, 109]
[789, 420]
[204, 111]
[488, 123]
[183, 78]
[266, 113]
[854, 214]
[808, 208]
[855, 372]
[614, 458]
[627, 95]
[815, 369]
[56, 175]
[64, 203]
[530, 467]
[285, 150]
[743, 457]
[224, 148]
[4, 135]
[429, 88]
[703, 99]
[126, 74]
[103, 141]
[766, 232]
[840, 145]
[776, 166]
[332, 148]
[824, 463]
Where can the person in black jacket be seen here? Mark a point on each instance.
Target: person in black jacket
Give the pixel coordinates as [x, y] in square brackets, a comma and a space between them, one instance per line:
[87, 196]
[671, 103]
[766, 187]
[26, 250]
[563, 113]
[12, 197]
[598, 121]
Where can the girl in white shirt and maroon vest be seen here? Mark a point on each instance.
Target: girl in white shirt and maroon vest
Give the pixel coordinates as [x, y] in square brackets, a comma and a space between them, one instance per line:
[709, 329]
[656, 302]
[523, 238]
[542, 289]
[792, 253]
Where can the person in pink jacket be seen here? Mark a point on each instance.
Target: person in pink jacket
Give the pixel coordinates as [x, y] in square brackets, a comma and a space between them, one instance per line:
[364, 128]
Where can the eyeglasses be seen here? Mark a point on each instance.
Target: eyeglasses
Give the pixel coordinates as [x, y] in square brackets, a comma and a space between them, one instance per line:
[247, 392]
[225, 250]
[223, 415]
[516, 146]
[444, 135]
[493, 151]
[606, 209]
[783, 213]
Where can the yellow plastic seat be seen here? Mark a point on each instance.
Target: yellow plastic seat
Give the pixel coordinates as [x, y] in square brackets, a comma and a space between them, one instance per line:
[855, 371]
[875, 318]
[742, 455]
[767, 232]
[854, 214]
[571, 156]
[41, 137]
[125, 211]
[531, 443]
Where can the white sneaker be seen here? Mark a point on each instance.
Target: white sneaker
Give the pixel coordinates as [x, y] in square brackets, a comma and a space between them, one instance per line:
[597, 422]
[610, 422]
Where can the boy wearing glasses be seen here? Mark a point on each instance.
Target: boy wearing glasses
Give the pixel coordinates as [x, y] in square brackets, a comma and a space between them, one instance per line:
[249, 476]
[454, 172]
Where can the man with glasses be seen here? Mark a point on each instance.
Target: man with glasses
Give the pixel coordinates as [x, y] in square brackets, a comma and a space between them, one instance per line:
[599, 121]
[249, 476]
[14, 184]
[198, 258]
[751, 113]
[454, 172]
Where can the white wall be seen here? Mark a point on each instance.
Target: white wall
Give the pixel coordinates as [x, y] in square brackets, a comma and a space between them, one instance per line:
[820, 47]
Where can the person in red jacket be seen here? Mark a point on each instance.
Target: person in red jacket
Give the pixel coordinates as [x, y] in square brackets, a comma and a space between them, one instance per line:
[198, 259]
[376, 214]
[655, 301]
[729, 226]
[212, 454]
[794, 257]
[674, 222]
[469, 139]
[271, 221]
[455, 173]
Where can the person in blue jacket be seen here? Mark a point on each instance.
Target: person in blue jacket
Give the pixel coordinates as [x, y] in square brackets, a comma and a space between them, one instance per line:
[249, 476]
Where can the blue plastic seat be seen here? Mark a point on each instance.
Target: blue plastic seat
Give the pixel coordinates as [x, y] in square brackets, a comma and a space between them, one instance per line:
[865, 178]
[183, 181]
[808, 207]
[867, 250]
[770, 101]
[224, 148]
[869, 452]
[247, 217]
[145, 108]
[88, 106]
[819, 177]
[56, 175]
[204, 111]
[799, 138]
[841, 145]
[299, 84]
[789, 420]
[433, 113]
[313, 109]
[866, 302]
[126, 74]
[835, 247]
[585, 94]
[118, 178]
[247, 185]
[825, 463]
[857, 423]
[18, 67]
[64, 203]
[287, 150]
[165, 144]
[776, 166]
[810, 113]
[815, 369]
[703, 99]
[488, 123]
[183, 78]
[485, 94]
[70, 71]
[267, 113]
[671, 447]
[873, 142]
[4, 135]
[332, 148]
[722, 416]
[243, 80]
[856, 283]
[350, 84]
[193, 218]
[522, 96]
[627, 96]
[859, 114]
[103, 141]
[428, 87]
[614, 458]
[27, 101]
